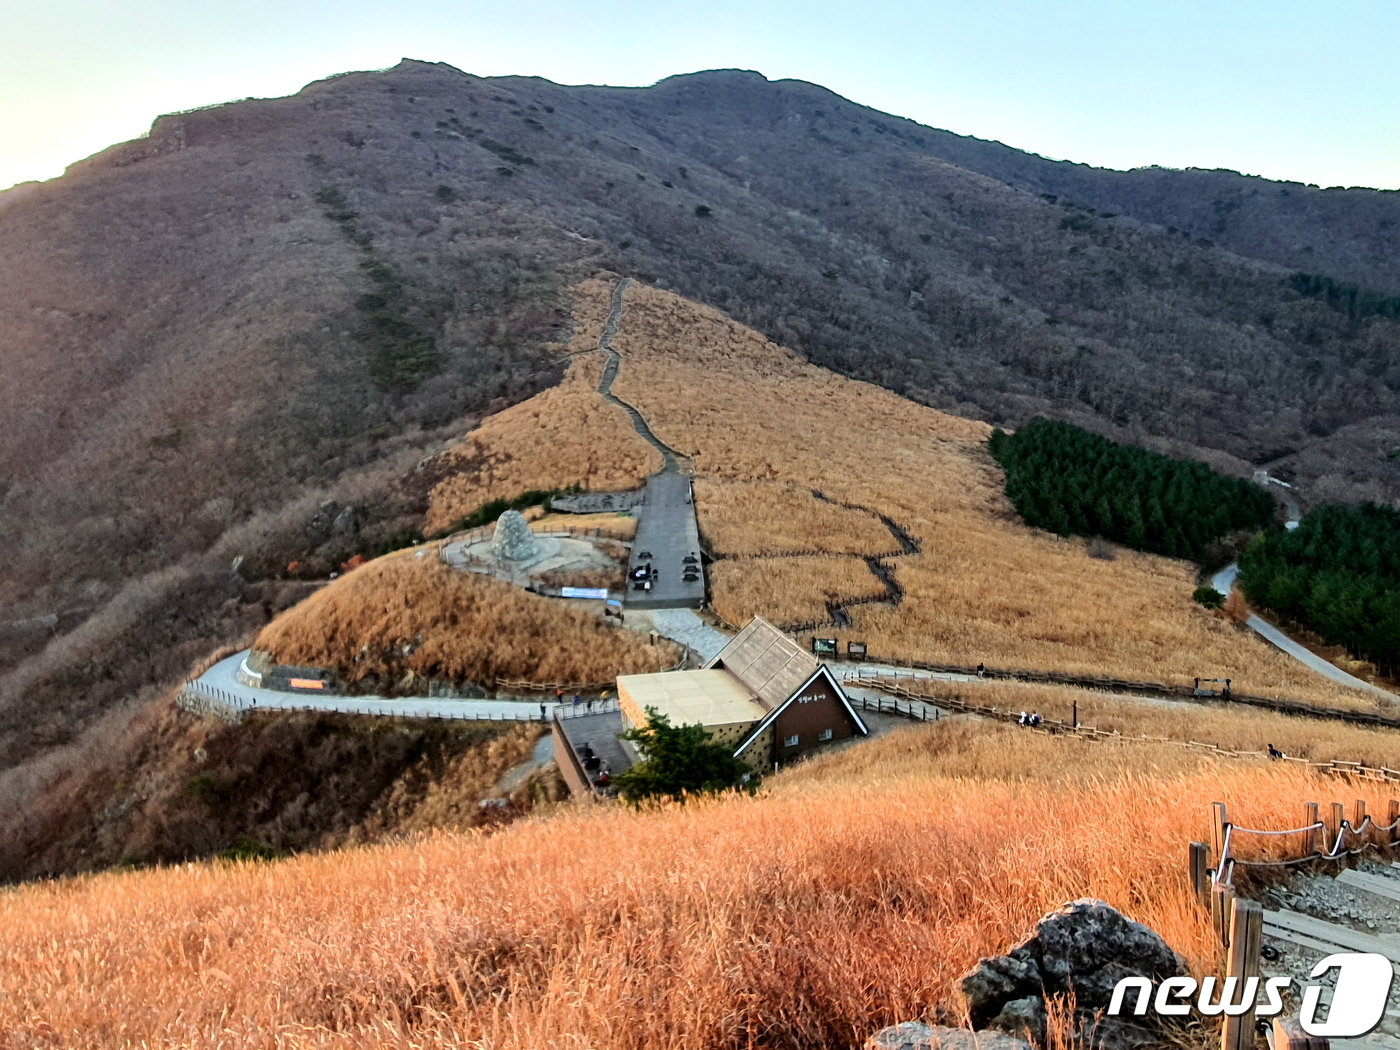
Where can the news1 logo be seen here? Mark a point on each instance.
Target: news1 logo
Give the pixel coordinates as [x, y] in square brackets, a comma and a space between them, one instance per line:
[1358, 1002]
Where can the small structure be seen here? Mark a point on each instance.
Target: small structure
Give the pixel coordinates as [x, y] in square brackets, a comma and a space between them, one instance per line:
[761, 694]
[513, 541]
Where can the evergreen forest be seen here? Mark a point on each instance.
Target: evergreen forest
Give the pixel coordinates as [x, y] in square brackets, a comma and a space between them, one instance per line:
[1338, 573]
[1069, 481]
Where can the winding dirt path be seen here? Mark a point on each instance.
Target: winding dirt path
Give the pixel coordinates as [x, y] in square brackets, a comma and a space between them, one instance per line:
[671, 460]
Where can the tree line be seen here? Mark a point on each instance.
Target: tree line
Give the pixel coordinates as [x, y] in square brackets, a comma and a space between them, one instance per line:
[1351, 299]
[1338, 573]
[1066, 480]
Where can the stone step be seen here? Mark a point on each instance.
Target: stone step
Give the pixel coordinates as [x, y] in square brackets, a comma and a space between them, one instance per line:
[1340, 936]
[1378, 885]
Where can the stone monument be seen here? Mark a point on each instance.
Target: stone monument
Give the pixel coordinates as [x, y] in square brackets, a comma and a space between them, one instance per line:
[513, 542]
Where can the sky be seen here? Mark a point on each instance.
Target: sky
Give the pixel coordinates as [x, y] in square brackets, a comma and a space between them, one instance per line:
[1289, 90]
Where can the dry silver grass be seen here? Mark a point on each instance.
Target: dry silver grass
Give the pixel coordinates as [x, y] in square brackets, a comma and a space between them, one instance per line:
[850, 896]
[411, 619]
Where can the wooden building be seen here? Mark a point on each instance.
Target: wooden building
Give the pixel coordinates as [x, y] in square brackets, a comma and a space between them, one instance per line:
[762, 695]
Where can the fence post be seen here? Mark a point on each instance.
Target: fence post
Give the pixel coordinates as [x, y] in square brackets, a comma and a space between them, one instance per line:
[1200, 876]
[1310, 836]
[1359, 820]
[1338, 821]
[1222, 902]
[1217, 835]
[1246, 939]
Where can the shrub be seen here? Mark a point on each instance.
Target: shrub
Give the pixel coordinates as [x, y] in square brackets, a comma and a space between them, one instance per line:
[702, 211]
[1208, 596]
[681, 760]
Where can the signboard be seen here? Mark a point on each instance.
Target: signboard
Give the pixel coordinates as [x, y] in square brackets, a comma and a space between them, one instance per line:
[824, 646]
[307, 683]
[615, 601]
[855, 648]
[597, 593]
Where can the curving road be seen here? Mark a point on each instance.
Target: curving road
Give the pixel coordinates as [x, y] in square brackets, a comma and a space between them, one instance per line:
[222, 681]
[1224, 582]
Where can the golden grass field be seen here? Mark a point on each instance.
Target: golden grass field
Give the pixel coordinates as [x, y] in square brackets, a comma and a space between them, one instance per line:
[1235, 728]
[850, 894]
[562, 436]
[984, 588]
[799, 587]
[463, 627]
[793, 519]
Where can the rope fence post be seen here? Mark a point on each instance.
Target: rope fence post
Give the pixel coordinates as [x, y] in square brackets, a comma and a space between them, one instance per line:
[1222, 902]
[1310, 818]
[1217, 836]
[1338, 823]
[1359, 821]
[1200, 875]
[1246, 939]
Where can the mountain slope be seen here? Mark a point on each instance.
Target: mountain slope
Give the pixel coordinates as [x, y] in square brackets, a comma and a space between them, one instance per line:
[242, 334]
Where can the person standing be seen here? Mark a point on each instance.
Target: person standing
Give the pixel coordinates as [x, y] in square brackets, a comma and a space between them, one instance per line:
[544, 711]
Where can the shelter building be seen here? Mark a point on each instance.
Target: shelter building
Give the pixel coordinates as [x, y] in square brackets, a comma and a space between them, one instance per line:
[762, 695]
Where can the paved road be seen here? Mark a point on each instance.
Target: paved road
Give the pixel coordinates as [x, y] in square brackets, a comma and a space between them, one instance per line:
[222, 679]
[666, 528]
[1224, 581]
[666, 535]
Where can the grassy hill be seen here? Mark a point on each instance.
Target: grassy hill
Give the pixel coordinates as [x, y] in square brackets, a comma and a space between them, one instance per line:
[250, 333]
[850, 894]
[799, 474]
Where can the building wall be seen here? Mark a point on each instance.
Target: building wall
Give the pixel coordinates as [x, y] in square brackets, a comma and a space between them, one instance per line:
[816, 709]
[759, 755]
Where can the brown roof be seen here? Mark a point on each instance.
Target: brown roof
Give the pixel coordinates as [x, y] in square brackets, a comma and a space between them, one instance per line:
[767, 661]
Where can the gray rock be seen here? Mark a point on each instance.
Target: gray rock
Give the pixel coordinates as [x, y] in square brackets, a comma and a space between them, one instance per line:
[345, 522]
[512, 541]
[912, 1035]
[1084, 948]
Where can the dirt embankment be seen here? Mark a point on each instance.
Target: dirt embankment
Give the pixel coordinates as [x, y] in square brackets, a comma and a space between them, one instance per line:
[176, 787]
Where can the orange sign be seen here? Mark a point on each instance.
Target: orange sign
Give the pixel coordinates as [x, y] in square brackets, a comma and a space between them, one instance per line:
[308, 683]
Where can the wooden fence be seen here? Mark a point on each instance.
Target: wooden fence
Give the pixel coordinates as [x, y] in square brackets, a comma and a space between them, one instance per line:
[890, 684]
[1176, 692]
[1324, 838]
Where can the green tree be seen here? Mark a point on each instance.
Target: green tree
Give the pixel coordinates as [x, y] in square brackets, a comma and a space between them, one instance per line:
[679, 760]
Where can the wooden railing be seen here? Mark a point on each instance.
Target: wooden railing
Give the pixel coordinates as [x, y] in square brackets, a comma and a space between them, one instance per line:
[1238, 923]
[1334, 767]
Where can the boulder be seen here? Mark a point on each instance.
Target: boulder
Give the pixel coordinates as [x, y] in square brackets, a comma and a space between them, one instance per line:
[912, 1035]
[512, 541]
[1082, 950]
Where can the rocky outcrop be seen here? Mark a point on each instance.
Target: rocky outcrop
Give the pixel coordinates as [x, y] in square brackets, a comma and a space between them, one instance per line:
[912, 1035]
[1080, 951]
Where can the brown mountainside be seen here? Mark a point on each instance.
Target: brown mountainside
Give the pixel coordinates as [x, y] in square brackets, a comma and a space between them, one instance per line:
[209, 333]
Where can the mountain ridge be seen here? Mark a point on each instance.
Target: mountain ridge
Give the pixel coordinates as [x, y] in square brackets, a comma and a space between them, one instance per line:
[269, 306]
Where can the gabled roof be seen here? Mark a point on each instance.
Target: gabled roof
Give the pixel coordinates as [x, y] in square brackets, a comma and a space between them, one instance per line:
[772, 715]
[767, 661]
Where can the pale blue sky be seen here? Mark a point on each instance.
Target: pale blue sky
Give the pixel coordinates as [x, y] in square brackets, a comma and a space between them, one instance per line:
[1281, 88]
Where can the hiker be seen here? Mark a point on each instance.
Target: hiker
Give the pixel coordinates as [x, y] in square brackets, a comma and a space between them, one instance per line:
[1023, 720]
[577, 700]
[544, 712]
[981, 670]
[558, 695]
[1275, 752]
[590, 705]
[1035, 718]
